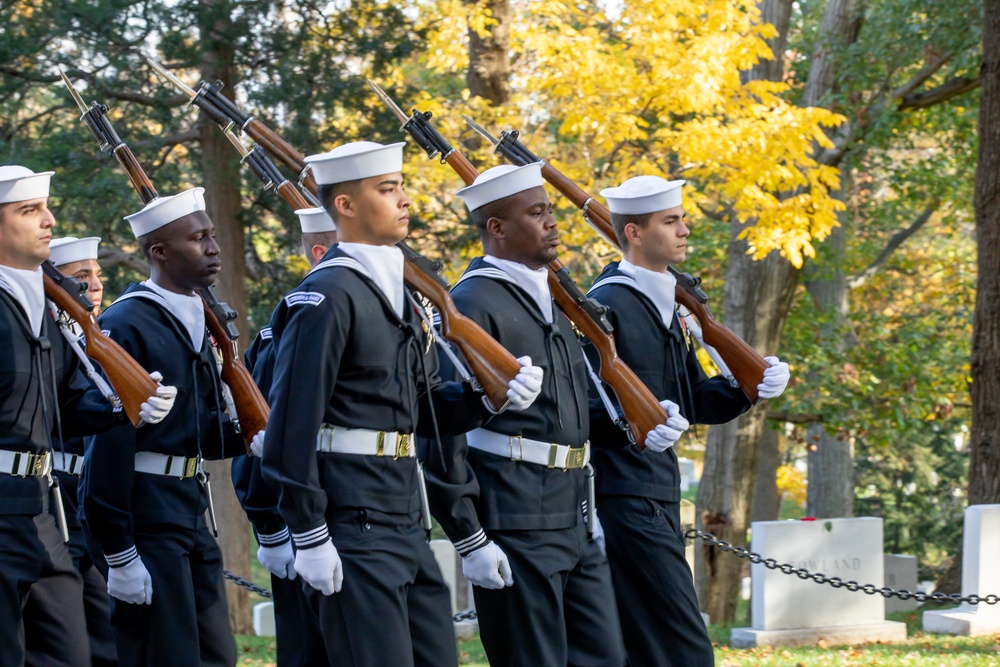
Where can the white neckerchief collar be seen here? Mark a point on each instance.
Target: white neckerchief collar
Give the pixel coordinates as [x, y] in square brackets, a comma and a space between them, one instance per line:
[658, 286]
[534, 282]
[28, 289]
[385, 264]
[188, 309]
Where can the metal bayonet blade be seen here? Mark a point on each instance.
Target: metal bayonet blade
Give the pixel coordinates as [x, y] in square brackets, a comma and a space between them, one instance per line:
[72, 90]
[481, 130]
[236, 142]
[172, 78]
[393, 107]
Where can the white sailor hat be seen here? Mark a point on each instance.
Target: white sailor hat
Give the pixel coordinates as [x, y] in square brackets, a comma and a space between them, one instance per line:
[19, 183]
[164, 210]
[643, 194]
[315, 220]
[355, 161]
[71, 249]
[499, 182]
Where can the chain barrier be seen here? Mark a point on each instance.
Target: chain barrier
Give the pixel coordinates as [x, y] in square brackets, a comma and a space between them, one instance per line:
[249, 585]
[836, 582]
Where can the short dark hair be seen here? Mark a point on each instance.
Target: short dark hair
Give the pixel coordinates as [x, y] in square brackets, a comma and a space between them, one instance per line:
[309, 239]
[147, 241]
[620, 220]
[328, 193]
[495, 209]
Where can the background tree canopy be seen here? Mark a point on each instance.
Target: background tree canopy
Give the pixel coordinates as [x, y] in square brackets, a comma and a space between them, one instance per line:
[827, 148]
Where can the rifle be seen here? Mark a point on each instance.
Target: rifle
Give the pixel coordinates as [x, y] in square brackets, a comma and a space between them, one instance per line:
[491, 365]
[130, 381]
[641, 409]
[251, 408]
[745, 363]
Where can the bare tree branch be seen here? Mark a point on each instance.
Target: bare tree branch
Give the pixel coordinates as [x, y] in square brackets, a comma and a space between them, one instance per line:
[110, 255]
[794, 418]
[895, 241]
[188, 135]
[925, 73]
[947, 90]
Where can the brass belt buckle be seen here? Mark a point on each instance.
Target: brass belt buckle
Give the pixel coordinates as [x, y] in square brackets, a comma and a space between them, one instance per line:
[575, 458]
[191, 467]
[402, 445]
[380, 444]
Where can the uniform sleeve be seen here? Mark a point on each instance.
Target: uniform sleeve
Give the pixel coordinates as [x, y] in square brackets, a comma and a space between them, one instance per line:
[83, 408]
[715, 400]
[454, 406]
[308, 350]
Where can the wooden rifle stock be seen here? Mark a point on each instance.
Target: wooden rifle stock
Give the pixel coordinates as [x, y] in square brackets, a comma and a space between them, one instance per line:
[251, 408]
[130, 380]
[492, 366]
[745, 363]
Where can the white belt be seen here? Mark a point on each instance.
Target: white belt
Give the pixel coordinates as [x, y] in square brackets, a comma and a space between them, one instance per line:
[68, 463]
[166, 464]
[25, 464]
[517, 448]
[342, 440]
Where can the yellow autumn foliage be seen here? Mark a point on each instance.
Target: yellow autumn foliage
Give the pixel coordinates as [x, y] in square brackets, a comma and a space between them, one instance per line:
[654, 89]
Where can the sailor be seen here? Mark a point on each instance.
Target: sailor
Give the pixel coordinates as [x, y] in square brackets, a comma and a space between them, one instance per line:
[542, 586]
[638, 493]
[43, 391]
[43, 615]
[296, 629]
[354, 378]
[144, 493]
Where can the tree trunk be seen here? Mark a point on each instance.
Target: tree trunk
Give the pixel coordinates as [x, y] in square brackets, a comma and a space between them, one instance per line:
[831, 455]
[984, 464]
[220, 170]
[758, 296]
[489, 55]
[766, 499]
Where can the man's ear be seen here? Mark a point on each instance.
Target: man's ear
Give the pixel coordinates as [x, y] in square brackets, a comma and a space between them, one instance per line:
[318, 251]
[344, 205]
[495, 229]
[157, 251]
[633, 234]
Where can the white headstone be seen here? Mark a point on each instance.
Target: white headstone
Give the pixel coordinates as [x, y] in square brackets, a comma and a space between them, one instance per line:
[444, 554]
[900, 574]
[980, 576]
[688, 478]
[263, 619]
[789, 611]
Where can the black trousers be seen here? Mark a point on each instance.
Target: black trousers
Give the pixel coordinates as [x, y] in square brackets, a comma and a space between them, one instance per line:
[32, 550]
[559, 612]
[187, 623]
[296, 628]
[394, 608]
[43, 612]
[661, 621]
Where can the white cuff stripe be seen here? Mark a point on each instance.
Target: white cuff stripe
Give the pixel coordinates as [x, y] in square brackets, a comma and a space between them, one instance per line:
[273, 539]
[471, 543]
[311, 538]
[122, 557]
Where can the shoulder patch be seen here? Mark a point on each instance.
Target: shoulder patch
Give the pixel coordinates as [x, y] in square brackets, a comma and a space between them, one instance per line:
[310, 298]
[106, 332]
[266, 332]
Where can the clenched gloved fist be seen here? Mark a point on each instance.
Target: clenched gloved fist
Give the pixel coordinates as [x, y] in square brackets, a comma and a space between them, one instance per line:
[131, 583]
[488, 567]
[526, 385]
[775, 379]
[321, 568]
[664, 436]
[278, 560]
[257, 444]
[158, 405]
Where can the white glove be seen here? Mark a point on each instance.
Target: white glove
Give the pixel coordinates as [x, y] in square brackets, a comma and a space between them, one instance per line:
[526, 385]
[598, 533]
[158, 405]
[278, 560]
[775, 379]
[131, 583]
[488, 567]
[321, 568]
[664, 436]
[257, 449]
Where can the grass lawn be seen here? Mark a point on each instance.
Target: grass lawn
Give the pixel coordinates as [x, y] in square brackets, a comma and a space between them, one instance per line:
[918, 651]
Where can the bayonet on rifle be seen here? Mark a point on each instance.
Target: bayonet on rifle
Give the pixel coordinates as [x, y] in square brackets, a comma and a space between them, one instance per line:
[481, 130]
